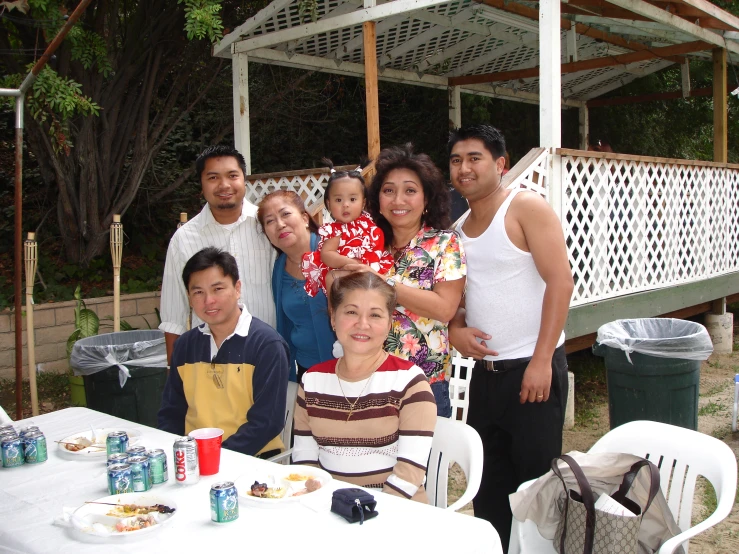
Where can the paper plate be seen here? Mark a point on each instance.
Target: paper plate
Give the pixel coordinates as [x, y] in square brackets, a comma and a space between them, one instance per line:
[101, 435]
[278, 477]
[92, 519]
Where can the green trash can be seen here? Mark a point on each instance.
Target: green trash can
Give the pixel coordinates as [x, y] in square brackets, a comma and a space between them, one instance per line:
[124, 373]
[653, 369]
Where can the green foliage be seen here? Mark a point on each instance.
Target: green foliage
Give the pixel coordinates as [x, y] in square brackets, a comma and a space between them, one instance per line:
[202, 19]
[86, 322]
[309, 7]
[89, 49]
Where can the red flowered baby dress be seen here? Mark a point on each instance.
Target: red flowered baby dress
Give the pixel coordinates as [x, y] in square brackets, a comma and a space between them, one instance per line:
[360, 239]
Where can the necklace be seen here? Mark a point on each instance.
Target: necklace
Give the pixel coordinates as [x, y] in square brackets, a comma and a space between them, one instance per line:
[353, 405]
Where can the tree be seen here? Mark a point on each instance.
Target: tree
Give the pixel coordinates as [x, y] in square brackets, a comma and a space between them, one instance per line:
[126, 77]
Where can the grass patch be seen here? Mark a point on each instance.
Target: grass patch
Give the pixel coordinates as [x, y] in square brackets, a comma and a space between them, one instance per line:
[722, 432]
[53, 393]
[709, 502]
[591, 390]
[716, 389]
[712, 408]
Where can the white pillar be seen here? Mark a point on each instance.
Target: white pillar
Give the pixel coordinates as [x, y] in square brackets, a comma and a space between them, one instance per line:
[455, 107]
[242, 141]
[584, 125]
[550, 78]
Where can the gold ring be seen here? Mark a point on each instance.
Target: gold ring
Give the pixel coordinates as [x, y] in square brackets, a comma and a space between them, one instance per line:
[540, 396]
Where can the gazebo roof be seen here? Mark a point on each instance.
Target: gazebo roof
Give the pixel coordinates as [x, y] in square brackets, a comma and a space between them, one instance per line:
[489, 47]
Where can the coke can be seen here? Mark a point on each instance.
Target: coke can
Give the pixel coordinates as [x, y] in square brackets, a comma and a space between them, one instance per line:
[186, 465]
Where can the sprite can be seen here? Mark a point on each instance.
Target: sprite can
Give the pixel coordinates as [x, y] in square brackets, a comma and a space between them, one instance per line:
[141, 469]
[7, 429]
[136, 451]
[117, 459]
[224, 502]
[34, 447]
[120, 479]
[158, 461]
[116, 443]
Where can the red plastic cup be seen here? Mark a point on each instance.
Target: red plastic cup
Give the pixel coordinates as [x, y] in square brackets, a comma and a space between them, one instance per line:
[209, 448]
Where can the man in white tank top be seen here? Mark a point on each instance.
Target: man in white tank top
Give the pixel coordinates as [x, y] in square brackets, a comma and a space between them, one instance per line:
[511, 319]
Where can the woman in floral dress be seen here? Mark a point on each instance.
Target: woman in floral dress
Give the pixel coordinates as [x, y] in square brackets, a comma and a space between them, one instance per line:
[410, 202]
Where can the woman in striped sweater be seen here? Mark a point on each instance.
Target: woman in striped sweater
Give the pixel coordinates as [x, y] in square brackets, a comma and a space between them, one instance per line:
[367, 418]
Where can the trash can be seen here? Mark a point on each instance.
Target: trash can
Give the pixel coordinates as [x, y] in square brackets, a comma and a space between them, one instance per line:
[124, 373]
[653, 369]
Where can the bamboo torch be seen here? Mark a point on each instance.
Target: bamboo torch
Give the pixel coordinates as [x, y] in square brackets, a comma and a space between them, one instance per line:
[116, 252]
[30, 256]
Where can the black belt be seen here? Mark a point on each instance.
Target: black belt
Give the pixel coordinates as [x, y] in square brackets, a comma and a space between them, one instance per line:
[501, 366]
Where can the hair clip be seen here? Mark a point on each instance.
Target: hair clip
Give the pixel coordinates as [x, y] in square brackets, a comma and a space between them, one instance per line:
[332, 171]
[359, 169]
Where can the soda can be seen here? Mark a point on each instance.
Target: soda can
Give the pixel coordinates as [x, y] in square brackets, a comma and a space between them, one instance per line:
[8, 435]
[12, 452]
[224, 502]
[117, 459]
[30, 429]
[5, 429]
[34, 447]
[120, 479]
[158, 461]
[116, 443]
[141, 470]
[136, 451]
[186, 464]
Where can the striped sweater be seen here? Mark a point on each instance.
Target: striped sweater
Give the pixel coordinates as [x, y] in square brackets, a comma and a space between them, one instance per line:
[386, 442]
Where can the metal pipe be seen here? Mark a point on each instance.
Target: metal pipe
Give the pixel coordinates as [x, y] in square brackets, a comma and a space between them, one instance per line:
[18, 259]
[9, 92]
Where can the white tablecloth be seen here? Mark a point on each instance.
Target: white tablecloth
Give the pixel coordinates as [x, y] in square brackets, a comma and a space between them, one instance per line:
[32, 496]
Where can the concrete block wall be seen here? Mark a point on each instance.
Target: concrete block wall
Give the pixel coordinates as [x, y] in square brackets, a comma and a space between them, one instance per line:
[53, 323]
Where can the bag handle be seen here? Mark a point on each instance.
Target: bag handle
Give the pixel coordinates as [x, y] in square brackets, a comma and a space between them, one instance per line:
[587, 498]
[630, 476]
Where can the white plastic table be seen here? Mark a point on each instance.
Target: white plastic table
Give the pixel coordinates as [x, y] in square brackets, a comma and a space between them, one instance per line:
[32, 496]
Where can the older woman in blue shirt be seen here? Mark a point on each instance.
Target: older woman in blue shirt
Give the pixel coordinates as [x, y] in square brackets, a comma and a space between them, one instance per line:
[301, 320]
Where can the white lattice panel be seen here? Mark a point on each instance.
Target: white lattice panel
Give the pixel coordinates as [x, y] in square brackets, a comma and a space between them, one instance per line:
[634, 226]
[309, 187]
[535, 176]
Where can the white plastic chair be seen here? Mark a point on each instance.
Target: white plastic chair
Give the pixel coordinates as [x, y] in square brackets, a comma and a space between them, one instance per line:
[287, 430]
[454, 441]
[459, 387]
[681, 455]
[4, 418]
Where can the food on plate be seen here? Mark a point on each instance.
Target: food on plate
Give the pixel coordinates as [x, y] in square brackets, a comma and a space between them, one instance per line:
[297, 477]
[135, 523]
[310, 486]
[78, 444]
[125, 510]
[261, 490]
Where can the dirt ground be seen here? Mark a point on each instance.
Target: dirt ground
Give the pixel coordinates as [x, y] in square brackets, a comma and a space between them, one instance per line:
[714, 418]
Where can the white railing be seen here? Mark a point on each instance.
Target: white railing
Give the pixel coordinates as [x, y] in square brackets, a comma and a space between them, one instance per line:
[634, 223]
[631, 223]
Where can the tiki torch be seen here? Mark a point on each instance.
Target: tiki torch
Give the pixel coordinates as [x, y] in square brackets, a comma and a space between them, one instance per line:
[30, 257]
[183, 219]
[116, 252]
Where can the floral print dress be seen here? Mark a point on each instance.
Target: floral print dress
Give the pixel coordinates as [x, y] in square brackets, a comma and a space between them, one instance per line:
[360, 239]
[432, 256]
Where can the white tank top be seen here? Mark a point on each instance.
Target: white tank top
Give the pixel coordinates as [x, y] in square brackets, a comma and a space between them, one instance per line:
[504, 290]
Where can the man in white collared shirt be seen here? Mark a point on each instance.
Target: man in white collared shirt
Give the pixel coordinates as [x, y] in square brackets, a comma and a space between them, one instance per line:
[228, 222]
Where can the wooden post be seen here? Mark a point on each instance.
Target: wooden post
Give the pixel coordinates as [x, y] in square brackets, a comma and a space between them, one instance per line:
[720, 108]
[30, 255]
[455, 107]
[550, 78]
[370, 81]
[116, 252]
[584, 125]
[240, 75]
